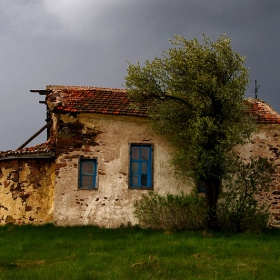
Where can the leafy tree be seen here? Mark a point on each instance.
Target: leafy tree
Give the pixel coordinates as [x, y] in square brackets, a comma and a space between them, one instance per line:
[197, 94]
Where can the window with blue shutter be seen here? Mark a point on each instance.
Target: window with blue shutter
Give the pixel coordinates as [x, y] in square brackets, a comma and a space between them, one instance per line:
[140, 167]
[200, 186]
[87, 173]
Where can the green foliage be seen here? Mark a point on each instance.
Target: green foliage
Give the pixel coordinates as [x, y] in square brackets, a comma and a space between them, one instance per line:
[171, 212]
[238, 209]
[197, 96]
[197, 92]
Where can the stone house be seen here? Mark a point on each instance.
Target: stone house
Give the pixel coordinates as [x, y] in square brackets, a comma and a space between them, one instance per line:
[100, 157]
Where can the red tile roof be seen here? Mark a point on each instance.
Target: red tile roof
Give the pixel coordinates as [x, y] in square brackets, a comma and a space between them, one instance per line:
[95, 100]
[77, 99]
[44, 150]
[113, 101]
[262, 112]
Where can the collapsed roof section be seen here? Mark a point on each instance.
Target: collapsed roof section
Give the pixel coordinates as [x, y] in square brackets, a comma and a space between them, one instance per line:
[44, 150]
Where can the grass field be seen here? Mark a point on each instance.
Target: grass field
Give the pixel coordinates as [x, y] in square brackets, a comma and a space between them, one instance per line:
[48, 252]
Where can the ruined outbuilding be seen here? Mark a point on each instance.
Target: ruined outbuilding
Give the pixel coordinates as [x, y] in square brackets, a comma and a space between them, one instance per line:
[101, 157]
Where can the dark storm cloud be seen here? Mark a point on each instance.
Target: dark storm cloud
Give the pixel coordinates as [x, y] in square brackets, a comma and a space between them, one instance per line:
[85, 42]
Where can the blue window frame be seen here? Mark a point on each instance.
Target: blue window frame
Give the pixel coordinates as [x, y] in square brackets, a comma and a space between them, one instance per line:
[140, 166]
[200, 186]
[87, 173]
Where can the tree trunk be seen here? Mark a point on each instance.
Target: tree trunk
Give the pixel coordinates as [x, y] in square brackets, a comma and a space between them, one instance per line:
[212, 189]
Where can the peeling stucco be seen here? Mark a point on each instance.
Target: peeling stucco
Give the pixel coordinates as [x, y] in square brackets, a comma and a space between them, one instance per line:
[112, 203]
[26, 191]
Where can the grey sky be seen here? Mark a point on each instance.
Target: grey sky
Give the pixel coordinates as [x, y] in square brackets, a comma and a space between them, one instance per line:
[87, 42]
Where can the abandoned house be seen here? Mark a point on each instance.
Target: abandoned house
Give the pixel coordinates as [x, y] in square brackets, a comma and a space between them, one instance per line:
[100, 157]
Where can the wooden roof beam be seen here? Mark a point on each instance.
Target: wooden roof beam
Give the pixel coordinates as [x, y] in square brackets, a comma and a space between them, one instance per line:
[41, 91]
[35, 135]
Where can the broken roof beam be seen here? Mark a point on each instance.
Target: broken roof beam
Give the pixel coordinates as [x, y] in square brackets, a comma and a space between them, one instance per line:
[35, 135]
[41, 91]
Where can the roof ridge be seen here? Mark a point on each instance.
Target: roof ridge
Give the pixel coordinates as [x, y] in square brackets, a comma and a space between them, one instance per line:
[262, 112]
[61, 87]
[260, 101]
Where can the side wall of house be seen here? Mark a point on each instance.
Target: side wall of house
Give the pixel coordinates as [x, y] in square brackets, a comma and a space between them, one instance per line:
[266, 143]
[106, 138]
[26, 191]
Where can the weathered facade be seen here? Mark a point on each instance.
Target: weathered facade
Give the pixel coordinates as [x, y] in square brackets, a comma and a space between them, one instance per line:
[101, 157]
[110, 203]
[26, 189]
[266, 143]
[100, 125]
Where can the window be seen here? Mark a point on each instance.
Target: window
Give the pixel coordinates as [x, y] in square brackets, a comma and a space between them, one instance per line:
[140, 167]
[200, 186]
[87, 173]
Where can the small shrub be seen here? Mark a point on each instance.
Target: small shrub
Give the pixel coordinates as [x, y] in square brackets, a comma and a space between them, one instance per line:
[238, 209]
[234, 216]
[171, 212]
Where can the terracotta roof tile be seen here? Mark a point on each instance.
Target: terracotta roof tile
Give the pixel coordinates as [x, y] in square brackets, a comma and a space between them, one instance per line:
[46, 149]
[115, 101]
[262, 112]
[95, 100]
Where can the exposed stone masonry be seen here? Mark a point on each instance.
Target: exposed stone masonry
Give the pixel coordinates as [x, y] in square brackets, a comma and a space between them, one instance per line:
[26, 191]
[72, 136]
[266, 143]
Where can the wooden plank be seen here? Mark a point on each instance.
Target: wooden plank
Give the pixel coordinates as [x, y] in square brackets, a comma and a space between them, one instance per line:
[35, 135]
[43, 155]
[41, 91]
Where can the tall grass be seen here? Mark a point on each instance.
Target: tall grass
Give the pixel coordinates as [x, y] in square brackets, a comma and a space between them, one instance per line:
[48, 252]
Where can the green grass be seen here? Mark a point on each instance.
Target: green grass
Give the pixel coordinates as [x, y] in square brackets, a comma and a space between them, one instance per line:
[48, 252]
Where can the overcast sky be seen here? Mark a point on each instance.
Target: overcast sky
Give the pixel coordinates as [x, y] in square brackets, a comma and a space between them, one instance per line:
[87, 42]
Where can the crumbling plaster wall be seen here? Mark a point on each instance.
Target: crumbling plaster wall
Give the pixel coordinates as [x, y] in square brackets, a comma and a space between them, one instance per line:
[106, 138]
[26, 191]
[266, 143]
